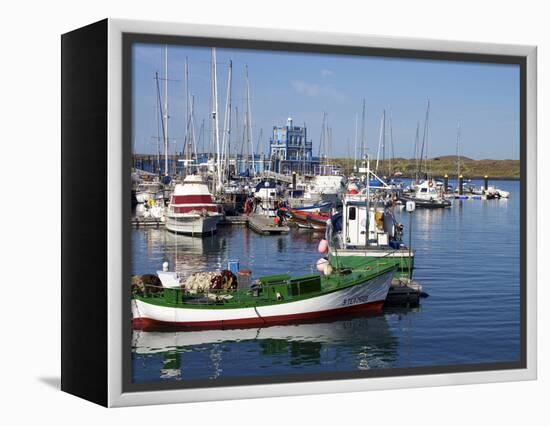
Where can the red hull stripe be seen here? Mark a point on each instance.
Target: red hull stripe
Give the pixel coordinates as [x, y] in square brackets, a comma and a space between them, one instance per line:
[151, 324]
[195, 208]
[191, 199]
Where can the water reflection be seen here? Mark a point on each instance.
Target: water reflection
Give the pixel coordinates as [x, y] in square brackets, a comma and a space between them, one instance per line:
[342, 344]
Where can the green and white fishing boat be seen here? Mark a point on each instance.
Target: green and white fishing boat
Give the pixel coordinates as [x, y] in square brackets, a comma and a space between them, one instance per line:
[274, 299]
[366, 229]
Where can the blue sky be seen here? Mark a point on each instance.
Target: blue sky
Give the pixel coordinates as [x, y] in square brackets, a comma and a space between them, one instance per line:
[484, 98]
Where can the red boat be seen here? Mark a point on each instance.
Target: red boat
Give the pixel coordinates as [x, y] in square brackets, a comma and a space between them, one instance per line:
[310, 220]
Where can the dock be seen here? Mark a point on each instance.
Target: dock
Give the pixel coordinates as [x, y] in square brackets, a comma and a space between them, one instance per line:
[141, 222]
[264, 225]
[234, 220]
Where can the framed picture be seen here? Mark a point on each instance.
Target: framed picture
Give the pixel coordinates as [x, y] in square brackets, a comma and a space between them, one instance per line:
[253, 213]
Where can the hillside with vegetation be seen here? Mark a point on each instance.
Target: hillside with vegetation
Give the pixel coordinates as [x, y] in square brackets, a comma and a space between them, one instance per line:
[445, 165]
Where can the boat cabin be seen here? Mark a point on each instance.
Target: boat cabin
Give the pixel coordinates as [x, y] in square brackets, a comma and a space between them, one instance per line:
[372, 225]
[427, 190]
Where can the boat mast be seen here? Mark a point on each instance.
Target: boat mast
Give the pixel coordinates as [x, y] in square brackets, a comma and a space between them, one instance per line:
[457, 151]
[227, 122]
[381, 139]
[392, 153]
[424, 149]
[215, 128]
[157, 120]
[166, 109]
[192, 118]
[249, 121]
[186, 147]
[355, 145]
[363, 128]
[415, 153]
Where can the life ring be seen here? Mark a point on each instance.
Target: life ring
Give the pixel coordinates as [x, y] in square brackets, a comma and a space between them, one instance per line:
[430, 183]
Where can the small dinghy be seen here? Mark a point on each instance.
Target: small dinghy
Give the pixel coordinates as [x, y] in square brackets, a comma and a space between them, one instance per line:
[309, 220]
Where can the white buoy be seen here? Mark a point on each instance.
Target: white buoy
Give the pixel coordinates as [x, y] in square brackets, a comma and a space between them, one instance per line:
[165, 266]
[321, 264]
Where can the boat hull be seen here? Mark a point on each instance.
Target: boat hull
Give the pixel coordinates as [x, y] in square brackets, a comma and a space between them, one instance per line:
[427, 204]
[368, 296]
[356, 258]
[193, 224]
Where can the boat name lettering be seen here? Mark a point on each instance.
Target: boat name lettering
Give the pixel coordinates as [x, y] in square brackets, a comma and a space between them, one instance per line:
[355, 300]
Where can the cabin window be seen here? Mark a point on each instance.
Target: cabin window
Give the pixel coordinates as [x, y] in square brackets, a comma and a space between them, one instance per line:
[352, 213]
[423, 189]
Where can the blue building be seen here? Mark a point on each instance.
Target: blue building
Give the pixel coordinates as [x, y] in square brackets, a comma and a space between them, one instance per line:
[290, 151]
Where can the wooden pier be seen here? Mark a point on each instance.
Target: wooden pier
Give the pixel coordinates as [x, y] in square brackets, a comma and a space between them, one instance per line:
[234, 220]
[141, 222]
[264, 225]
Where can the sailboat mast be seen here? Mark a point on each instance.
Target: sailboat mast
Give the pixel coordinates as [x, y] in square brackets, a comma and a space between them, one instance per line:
[383, 136]
[166, 109]
[392, 153]
[415, 153]
[186, 146]
[380, 142]
[249, 121]
[363, 125]
[355, 145]
[458, 151]
[424, 149]
[215, 128]
[227, 122]
[192, 118]
[157, 120]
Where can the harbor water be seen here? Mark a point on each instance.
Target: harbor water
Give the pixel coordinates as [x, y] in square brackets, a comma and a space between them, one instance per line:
[467, 260]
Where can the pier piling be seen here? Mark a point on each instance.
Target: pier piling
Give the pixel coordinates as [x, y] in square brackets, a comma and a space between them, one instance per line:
[460, 185]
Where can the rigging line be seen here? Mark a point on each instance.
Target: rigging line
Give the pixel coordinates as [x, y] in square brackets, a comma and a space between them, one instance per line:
[259, 316]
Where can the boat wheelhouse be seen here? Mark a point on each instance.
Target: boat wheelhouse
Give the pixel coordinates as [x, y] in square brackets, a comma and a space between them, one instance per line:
[366, 230]
[269, 196]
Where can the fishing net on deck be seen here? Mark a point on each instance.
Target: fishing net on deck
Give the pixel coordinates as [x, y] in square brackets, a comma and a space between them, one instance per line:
[202, 281]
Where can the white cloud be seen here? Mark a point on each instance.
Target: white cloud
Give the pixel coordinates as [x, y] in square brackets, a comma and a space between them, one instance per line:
[326, 73]
[315, 90]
